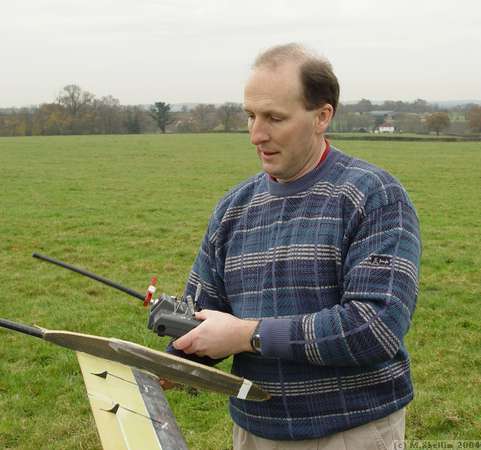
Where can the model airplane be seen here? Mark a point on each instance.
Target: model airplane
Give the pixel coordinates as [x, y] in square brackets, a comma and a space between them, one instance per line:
[121, 379]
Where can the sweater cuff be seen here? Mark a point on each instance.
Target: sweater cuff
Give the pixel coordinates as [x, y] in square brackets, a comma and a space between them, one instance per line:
[275, 338]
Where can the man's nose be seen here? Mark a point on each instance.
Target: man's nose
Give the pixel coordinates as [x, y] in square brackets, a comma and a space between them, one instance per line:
[258, 133]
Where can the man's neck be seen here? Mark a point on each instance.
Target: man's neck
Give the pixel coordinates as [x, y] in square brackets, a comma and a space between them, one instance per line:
[311, 165]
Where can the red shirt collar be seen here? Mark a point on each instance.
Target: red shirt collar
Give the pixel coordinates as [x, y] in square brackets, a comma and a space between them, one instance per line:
[321, 160]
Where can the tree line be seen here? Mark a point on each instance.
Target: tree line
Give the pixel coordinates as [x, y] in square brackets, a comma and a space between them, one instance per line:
[418, 117]
[76, 111]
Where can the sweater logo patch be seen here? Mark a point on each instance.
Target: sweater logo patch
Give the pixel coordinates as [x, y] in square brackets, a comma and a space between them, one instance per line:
[380, 260]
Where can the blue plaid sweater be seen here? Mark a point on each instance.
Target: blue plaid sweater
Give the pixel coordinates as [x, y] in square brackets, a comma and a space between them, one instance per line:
[330, 263]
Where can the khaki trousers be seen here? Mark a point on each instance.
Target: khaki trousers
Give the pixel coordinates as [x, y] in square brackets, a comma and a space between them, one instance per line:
[380, 434]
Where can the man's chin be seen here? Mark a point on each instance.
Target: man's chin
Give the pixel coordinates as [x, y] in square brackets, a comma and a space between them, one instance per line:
[270, 170]
[274, 171]
[275, 175]
[278, 176]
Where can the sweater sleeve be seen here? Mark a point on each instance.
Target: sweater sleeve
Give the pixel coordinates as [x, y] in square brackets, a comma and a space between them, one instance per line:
[379, 292]
[212, 294]
[206, 271]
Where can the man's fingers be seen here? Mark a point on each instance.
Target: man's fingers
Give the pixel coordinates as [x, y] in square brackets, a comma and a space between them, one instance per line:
[186, 344]
[202, 315]
[183, 342]
[188, 350]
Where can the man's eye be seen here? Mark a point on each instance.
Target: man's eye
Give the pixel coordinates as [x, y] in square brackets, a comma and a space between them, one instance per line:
[276, 119]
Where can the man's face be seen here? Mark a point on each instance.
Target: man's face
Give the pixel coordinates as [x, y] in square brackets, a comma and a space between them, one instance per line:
[287, 137]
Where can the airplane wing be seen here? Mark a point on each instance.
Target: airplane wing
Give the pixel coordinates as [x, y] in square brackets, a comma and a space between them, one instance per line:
[129, 407]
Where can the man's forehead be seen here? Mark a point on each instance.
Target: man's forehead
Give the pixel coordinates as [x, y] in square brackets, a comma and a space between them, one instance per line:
[286, 75]
[273, 85]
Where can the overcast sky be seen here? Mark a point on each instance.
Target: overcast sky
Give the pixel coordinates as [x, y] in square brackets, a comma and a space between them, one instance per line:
[142, 51]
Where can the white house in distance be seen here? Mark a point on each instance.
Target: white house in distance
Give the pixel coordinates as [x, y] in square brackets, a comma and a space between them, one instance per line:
[385, 128]
[384, 121]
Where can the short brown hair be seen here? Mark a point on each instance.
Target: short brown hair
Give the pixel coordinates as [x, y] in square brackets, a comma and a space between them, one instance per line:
[319, 84]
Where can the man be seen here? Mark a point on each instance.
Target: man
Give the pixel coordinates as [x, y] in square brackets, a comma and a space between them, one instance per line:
[309, 273]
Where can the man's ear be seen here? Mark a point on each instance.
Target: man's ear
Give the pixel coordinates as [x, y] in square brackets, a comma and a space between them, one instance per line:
[324, 115]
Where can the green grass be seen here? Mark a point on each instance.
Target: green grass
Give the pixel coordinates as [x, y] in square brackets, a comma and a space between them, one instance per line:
[129, 207]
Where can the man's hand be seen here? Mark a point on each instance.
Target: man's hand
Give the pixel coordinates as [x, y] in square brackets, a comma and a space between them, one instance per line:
[219, 335]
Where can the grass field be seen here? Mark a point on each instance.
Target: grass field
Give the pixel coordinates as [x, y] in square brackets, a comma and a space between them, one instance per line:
[129, 207]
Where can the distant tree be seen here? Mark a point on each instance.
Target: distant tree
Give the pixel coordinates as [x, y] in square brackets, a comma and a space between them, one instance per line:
[27, 114]
[108, 115]
[364, 121]
[132, 120]
[229, 114]
[474, 118]
[379, 120]
[396, 106]
[9, 125]
[74, 99]
[346, 121]
[408, 123]
[204, 117]
[438, 121]
[160, 112]
[364, 105]
[184, 126]
[80, 109]
[420, 106]
[464, 108]
[16, 122]
[51, 119]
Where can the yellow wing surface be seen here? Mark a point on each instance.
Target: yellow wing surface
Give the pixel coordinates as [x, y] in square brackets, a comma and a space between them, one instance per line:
[129, 407]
